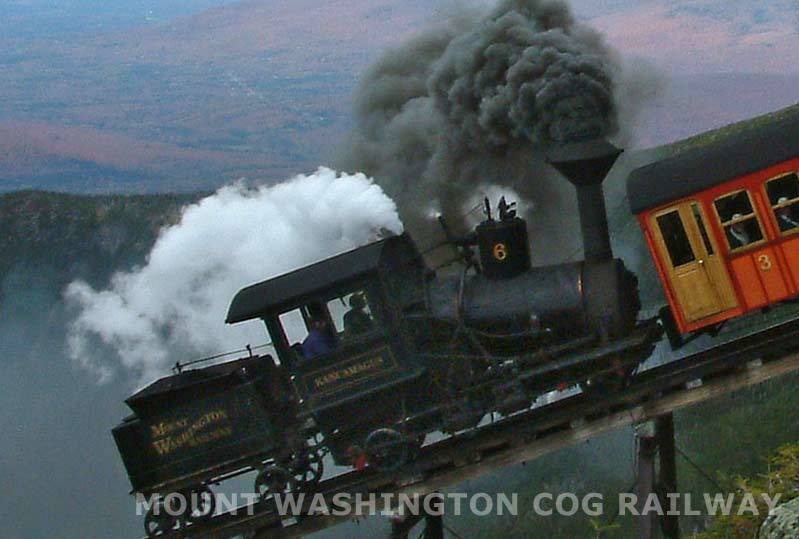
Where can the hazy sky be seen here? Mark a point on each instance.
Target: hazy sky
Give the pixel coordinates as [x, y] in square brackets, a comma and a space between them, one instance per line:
[687, 35]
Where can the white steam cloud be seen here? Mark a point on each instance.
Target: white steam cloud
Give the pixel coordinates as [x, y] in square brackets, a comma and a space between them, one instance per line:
[173, 307]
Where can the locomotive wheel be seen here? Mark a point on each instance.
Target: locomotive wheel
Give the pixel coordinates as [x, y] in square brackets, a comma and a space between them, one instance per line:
[386, 449]
[161, 523]
[460, 376]
[316, 443]
[202, 504]
[273, 480]
[607, 384]
[307, 470]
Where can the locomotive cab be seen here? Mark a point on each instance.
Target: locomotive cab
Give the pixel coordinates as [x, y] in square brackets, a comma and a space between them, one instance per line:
[333, 343]
[338, 331]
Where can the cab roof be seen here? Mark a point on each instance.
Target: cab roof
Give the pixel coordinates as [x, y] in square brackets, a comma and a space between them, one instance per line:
[715, 157]
[273, 294]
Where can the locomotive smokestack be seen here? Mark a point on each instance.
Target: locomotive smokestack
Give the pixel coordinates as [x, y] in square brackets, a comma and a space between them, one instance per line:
[585, 164]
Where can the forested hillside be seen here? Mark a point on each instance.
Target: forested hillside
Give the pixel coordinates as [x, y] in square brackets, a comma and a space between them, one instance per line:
[80, 236]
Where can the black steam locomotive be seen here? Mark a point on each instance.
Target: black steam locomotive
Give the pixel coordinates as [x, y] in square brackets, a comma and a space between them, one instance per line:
[374, 350]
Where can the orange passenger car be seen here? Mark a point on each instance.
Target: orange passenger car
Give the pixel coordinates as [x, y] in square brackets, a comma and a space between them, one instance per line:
[721, 221]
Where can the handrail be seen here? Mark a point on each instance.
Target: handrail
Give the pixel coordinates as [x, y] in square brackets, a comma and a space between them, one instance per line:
[178, 367]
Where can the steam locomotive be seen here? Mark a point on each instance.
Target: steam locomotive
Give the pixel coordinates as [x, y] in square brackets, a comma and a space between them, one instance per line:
[374, 350]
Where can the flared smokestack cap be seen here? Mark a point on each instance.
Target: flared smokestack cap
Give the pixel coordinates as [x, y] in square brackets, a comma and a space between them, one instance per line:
[585, 162]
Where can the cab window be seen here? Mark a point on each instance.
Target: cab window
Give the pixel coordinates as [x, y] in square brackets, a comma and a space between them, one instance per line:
[294, 326]
[352, 315]
[739, 220]
[309, 331]
[783, 195]
[317, 328]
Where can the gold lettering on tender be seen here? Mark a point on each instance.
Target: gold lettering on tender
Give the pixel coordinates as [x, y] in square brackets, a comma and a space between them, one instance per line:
[169, 436]
[163, 428]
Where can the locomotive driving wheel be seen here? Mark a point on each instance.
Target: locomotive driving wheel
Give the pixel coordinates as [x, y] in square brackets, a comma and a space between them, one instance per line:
[159, 524]
[201, 504]
[273, 480]
[160, 520]
[307, 469]
[387, 449]
[608, 383]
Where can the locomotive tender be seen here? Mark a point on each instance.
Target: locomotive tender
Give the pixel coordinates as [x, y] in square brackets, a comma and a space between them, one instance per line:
[428, 353]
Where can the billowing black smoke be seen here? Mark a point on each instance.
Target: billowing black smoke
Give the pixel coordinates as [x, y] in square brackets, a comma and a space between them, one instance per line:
[474, 101]
[527, 72]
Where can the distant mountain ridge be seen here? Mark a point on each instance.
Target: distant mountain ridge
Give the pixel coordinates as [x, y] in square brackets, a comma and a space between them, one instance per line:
[79, 236]
[260, 90]
[255, 89]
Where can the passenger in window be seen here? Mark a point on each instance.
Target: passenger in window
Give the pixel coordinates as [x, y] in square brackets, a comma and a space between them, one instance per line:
[357, 320]
[737, 234]
[319, 340]
[786, 220]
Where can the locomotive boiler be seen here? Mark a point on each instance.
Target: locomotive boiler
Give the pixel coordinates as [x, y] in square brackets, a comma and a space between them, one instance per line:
[597, 295]
[528, 329]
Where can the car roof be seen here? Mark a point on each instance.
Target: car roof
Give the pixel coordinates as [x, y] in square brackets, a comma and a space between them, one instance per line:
[715, 157]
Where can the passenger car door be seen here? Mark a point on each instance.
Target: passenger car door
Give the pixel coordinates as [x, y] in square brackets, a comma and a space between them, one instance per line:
[698, 277]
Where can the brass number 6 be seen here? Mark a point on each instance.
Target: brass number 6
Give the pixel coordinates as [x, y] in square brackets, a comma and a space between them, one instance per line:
[765, 262]
[500, 251]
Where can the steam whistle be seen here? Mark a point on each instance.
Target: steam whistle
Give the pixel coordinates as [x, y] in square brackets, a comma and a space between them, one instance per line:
[463, 245]
[506, 211]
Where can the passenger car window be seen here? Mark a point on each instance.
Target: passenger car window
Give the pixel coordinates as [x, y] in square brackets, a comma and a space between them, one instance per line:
[739, 220]
[351, 314]
[675, 238]
[783, 195]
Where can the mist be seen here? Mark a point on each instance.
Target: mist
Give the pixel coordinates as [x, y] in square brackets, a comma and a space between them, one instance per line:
[174, 305]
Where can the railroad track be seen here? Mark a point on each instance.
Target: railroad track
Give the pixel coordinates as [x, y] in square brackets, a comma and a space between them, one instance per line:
[737, 363]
